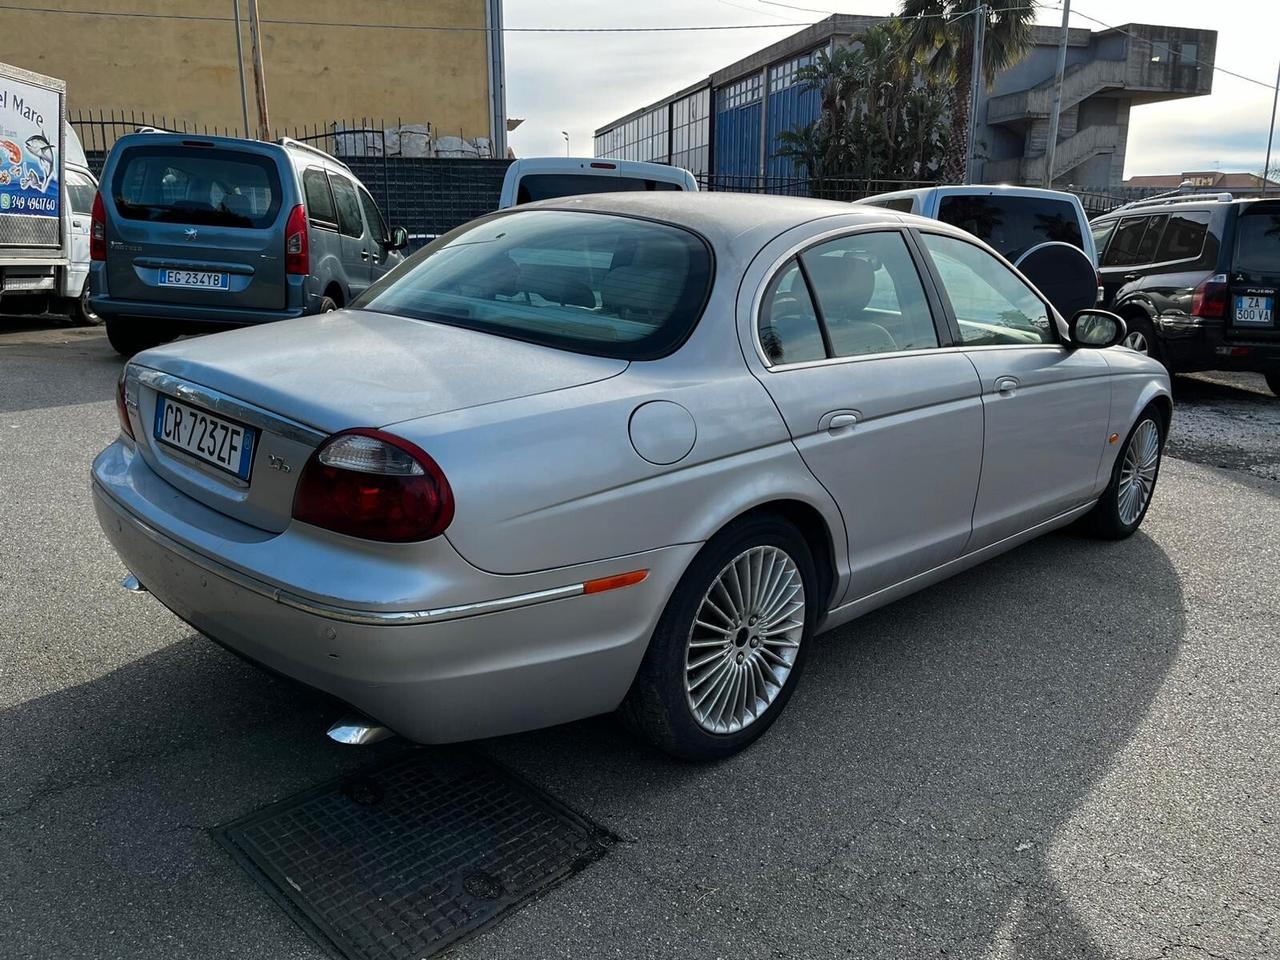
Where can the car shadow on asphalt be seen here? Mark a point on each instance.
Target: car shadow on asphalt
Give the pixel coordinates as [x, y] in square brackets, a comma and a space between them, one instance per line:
[907, 801]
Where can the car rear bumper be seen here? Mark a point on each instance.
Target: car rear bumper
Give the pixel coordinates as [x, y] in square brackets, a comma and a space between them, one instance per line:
[518, 652]
[1188, 347]
[183, 313]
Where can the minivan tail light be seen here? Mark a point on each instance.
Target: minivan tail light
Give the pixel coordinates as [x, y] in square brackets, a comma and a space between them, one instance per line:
[297, 247]
[1210, 298]
[369, 484]
[98, 230]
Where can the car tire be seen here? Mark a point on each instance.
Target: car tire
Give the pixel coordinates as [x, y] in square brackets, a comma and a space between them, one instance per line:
[327, 305]
[81, 313]
[1141, 336]
[129, 336]
[740, 655]
[1117, 513]
[1273, 382]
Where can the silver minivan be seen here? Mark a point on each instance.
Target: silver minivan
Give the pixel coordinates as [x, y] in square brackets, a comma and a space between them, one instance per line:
[199, 234]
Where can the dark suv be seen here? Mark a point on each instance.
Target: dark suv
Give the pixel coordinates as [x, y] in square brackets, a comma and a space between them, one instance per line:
[1196, 279]
[199, 234]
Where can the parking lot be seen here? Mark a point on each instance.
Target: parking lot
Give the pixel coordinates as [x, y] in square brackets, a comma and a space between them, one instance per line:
[1069, 751]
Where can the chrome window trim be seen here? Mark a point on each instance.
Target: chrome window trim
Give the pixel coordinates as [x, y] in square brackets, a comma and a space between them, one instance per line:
[218, 402]
[333, 611]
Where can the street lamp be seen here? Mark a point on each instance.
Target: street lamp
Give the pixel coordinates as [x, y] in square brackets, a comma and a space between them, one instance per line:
[565, 134]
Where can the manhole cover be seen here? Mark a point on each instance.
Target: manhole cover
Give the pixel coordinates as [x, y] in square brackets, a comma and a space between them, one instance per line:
[402, 861]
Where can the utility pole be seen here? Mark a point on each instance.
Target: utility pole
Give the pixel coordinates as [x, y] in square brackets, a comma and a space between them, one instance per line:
[979, 32]
[244, 96]
[1051, 145]
[259, 75]
[497, 77]
[1271, 133]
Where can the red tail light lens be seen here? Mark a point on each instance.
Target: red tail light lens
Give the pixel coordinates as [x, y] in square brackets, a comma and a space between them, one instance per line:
[297, 246]
[1210, 298]
[372, 485]
[122, 406]
[98, 230]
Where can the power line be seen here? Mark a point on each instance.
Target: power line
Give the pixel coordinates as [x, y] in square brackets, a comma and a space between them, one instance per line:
[401, 26]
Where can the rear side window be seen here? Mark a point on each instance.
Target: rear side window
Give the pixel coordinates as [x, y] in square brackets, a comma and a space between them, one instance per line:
[344, 196]
[1013, 224]
[1183, 237]
[1151, 238]
[548, 186]
[1123, 249]
[789, 331]
[591, 283]
[197, 185]
[902, 204]
[319, 200]
[1258, 241]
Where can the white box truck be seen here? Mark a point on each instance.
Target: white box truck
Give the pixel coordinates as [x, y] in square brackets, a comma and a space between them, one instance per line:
[44, 181]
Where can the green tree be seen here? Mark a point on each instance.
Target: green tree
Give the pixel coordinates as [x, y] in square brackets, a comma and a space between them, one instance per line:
[882, 118]
[942, 32]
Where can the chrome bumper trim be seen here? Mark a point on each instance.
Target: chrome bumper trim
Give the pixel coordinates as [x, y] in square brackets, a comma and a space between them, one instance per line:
[330, 611]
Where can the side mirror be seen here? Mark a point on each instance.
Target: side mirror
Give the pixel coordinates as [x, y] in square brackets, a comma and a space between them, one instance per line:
[1096, 328]
[399, 239]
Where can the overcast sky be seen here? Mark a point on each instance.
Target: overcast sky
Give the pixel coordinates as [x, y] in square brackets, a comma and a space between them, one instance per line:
[577, 82]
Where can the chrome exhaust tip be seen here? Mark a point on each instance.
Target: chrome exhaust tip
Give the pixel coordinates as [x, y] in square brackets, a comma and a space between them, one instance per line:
[133, 584]
[357, 731]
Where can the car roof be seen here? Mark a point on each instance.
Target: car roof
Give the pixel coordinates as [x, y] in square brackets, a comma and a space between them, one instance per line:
[727, 219]
[526, 165]
[297, 152]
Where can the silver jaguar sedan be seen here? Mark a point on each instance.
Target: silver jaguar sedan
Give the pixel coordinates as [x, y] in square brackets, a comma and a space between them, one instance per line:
[622, 452]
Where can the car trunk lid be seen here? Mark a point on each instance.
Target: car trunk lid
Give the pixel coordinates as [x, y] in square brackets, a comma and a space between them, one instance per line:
[193, 222]
[1254, 281]
[295, 383]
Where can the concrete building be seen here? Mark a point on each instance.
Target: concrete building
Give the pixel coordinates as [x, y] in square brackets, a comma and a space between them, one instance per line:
[159, 63]
[1202, 180]
[726, 126]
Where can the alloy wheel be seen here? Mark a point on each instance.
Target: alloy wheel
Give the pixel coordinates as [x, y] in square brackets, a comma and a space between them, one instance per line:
[1137, 342]
[1138, 471]
[744, 639]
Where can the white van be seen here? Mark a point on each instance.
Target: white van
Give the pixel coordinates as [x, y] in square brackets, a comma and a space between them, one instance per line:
[79, 186]
[1011, 219]
[545, 178]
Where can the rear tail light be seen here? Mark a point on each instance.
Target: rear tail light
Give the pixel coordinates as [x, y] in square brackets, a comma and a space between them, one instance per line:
[1210, 298]
[122, 404]
[372, 485]
[98, 230]
[297, 247]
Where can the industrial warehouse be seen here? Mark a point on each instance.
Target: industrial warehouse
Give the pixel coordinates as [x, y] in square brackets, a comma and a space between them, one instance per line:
[734, 144]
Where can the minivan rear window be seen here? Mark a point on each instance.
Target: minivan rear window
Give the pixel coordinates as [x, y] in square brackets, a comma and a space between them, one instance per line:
[549, 186]
[592, 283]
[1013, 224]
[197, 185]
[1258, 241]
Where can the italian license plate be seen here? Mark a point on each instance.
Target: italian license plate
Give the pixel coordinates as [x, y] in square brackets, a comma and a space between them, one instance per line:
[202, 279]
[214, 440]
[1254, 310]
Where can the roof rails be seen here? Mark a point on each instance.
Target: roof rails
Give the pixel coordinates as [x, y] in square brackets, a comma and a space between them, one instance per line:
[1161, 199]
[299, 145]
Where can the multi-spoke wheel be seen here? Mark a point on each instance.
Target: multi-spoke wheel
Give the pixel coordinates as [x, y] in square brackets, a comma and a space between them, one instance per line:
[744, 639]
[729, 647]
[1124, 503]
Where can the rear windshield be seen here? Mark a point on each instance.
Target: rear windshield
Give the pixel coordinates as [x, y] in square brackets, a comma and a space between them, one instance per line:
[591, 283]
[1013, 224]
[174, 184]
[549, 186]
[1258, 240]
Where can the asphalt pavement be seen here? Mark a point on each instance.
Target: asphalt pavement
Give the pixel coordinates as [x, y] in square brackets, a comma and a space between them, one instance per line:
[1068, 752]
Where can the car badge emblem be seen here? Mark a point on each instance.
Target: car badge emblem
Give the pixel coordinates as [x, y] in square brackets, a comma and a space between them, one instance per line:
[278, 463]
[191, 233]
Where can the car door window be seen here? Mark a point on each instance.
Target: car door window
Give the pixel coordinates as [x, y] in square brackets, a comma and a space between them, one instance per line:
[1101, 234]
[789, 330]
[1123, 249]
[870, 295]
[81, 191]
[320, 209]
[373, 215]
[1183, 237]
[348, 204]
[1151, 239]
[992, 305]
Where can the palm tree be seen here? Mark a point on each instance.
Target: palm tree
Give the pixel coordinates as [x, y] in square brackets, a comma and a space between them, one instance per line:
[942, 31]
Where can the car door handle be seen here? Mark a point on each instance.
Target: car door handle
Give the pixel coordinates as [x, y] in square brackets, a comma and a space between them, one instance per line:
[364, 254]
[1006, 386]
[838, 420]
[1130, 277]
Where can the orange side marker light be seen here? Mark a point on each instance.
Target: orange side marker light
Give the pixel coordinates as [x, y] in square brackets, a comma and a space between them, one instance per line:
[1113, 438]
[614, 582]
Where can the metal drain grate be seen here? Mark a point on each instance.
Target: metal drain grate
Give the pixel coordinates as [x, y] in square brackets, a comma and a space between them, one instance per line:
[402, 861]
